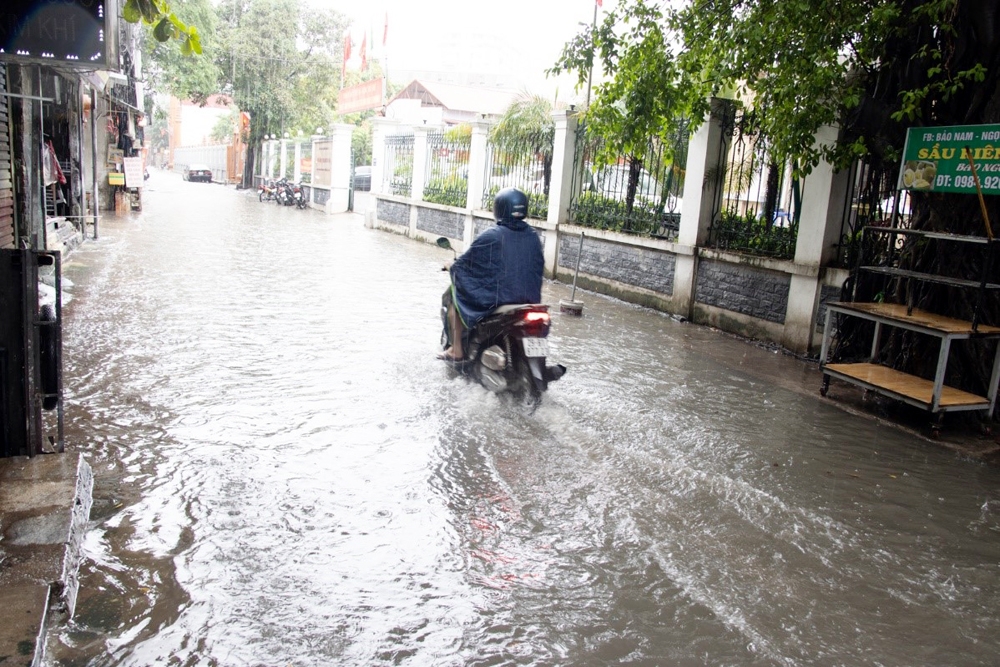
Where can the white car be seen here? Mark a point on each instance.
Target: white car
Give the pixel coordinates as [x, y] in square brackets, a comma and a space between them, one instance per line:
[611, 182]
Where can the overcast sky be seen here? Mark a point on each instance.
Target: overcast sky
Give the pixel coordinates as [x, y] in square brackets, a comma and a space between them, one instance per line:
[518, 39]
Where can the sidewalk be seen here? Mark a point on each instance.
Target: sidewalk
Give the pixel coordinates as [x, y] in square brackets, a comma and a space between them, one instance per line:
[44, 509]
[960, 433]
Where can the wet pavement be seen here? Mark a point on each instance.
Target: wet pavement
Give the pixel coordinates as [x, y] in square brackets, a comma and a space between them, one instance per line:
[285, 475]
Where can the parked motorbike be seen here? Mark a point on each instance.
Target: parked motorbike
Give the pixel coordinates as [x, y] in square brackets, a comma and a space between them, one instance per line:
[266, 191]
[506, 351]
[284, 193]
[299, 196]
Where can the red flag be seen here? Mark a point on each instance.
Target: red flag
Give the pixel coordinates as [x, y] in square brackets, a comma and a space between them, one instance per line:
[347, 55]
[385, 31]
[600, 3]
[364, 54]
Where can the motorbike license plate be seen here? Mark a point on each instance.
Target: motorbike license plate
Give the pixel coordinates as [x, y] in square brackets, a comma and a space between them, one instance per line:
[535, 347]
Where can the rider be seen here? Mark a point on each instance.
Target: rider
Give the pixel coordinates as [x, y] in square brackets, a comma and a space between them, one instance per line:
[504, 265]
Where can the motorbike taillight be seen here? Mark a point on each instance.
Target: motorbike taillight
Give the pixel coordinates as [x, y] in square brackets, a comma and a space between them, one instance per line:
[535, 323]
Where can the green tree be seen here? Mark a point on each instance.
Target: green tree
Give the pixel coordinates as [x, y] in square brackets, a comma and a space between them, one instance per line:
[222, 131]
[526, 131]
[171, 71]
[165, 24]
[645, 94]
[276, 59]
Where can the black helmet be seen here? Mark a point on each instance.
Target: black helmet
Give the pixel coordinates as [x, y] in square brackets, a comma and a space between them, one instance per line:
[509, 205]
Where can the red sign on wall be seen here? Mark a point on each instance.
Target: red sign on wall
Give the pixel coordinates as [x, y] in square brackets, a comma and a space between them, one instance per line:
[362, 97]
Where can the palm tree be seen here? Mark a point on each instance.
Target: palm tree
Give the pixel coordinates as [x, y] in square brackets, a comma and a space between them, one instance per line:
[525, 133]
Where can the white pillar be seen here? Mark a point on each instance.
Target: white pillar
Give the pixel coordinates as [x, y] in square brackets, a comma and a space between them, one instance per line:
[564, 164]
[340, 168]
[815, 246]
[419, 163]
[284, 157]
[704, 151]
[822, 208]
[381, 127]
[297, 166]
[700, 196]
[477, 166]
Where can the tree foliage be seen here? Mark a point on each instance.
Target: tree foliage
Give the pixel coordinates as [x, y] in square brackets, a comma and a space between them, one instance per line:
[866, 65]
[170, 70]
[527, 121]
[165, 24]
[278, 61]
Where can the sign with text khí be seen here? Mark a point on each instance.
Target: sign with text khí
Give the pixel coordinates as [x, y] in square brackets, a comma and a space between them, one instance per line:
[60, 30]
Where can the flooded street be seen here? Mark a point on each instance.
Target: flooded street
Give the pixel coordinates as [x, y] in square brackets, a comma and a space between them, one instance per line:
[285, 475]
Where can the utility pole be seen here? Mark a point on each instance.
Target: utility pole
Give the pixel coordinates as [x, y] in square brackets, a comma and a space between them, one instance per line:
[593, 30]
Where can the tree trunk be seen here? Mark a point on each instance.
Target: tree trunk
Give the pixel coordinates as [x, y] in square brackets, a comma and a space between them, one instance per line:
[248, 167]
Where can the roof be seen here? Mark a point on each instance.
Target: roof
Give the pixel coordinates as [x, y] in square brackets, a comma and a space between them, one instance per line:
[492, 101]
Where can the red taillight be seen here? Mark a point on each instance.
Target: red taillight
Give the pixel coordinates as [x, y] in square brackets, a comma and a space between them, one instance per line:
[535, 323]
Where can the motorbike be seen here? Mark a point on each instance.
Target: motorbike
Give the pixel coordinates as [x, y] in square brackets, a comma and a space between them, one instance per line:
[284, 194]
[266, 191]
[299, 196]
[506, 351]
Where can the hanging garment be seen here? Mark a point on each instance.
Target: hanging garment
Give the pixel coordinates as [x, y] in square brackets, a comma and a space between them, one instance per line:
[51, 171]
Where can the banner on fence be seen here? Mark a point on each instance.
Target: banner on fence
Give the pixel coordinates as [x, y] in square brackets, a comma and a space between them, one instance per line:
[361, 97]
[936, 159]
[322, 163]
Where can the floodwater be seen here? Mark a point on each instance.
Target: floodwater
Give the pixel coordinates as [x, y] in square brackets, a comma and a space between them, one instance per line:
[287, 476]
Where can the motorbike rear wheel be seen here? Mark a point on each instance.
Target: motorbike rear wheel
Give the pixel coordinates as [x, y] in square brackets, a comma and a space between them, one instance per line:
[525, 390]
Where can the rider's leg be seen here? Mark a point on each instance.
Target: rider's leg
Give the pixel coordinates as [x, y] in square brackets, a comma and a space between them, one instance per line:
[456, 351]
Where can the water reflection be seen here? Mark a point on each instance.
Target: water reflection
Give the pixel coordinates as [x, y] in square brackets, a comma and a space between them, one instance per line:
[286, 475]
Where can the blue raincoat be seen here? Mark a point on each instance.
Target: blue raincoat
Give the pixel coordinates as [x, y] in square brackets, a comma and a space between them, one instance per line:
[504, 265]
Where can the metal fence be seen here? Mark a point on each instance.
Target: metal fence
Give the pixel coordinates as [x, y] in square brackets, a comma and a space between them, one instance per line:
[872, 200]
[447, 169]
[523, 162]
[759, 204]
[398, 163]
[637, 194]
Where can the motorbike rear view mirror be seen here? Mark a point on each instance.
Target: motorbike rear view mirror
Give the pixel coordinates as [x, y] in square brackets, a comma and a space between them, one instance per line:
[443, 242]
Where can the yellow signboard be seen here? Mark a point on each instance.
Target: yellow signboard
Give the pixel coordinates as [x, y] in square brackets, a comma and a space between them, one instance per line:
[116, 178]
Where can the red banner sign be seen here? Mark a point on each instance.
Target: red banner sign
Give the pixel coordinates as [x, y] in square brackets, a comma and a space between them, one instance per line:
[364, 96]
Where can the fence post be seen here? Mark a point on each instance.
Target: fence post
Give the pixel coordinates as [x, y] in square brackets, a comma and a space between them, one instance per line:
[701, 192]
[380, 128]
[564, 163]
[477, 166]
[340, 167]
[297, 166]
[815, 246]
[419, 163]
[284, 158]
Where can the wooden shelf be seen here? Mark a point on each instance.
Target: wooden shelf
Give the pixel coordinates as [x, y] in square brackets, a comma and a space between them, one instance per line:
[915, 389]
[896, 312]
[938, 236]
[928, 277]
[933, 396]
